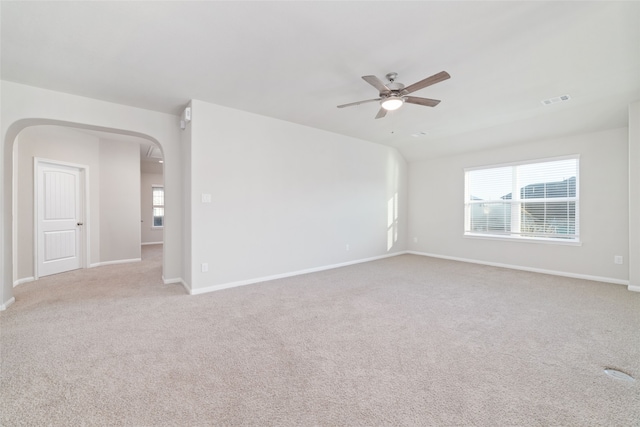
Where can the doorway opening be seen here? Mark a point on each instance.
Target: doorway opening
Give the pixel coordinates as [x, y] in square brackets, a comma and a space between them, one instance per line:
[107, 168]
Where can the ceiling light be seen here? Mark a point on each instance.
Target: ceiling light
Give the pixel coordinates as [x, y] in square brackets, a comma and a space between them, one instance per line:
[160, 161]
[392, 103]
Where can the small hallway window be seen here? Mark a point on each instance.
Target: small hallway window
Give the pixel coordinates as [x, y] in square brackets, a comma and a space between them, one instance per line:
[157, 198]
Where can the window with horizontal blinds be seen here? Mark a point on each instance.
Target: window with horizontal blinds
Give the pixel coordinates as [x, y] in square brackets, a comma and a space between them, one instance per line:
[537, 200]
[157, 197]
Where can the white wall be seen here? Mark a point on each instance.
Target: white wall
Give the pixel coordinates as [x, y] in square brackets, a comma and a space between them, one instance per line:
[634, 196]
[436, 214]
[119, 201]
[24, 106]
[185, 145]
[149, 233]
[286, 197]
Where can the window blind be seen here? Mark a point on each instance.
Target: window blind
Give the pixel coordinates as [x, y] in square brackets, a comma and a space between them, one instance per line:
[529, 200]
[157, 196]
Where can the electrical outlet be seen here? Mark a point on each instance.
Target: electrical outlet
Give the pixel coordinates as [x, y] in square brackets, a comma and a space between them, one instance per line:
[205, 267]
[415, 240]
[618, 259]
[347, 247]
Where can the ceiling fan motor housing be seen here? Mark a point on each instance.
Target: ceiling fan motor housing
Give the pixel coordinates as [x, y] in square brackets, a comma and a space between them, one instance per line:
[395, 87]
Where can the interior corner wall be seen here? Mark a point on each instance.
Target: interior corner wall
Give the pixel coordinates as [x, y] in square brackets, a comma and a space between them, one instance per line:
[436, 208]
[187, 231]
[119, 201]
[287, 198]
[24, 106]
[634, 196]
[149, 234]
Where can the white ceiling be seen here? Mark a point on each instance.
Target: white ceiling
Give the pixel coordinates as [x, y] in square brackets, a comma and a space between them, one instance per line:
[297, 61]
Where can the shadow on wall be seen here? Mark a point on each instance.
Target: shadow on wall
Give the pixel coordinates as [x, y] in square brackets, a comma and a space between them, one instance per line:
[392, 221]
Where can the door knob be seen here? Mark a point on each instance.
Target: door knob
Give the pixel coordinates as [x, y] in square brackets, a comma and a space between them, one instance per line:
[80, 223]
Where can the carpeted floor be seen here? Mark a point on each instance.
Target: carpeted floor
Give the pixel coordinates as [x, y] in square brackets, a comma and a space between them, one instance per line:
[407, 340]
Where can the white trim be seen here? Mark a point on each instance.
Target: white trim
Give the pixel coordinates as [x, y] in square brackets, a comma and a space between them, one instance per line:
[6, 305]
[520, 239]
[285, 275]
[23, 280]
[634, 288]
[151, 243]
[119, 261]
[531, 269]
[524, 162]
[170, 281]
[177, 280]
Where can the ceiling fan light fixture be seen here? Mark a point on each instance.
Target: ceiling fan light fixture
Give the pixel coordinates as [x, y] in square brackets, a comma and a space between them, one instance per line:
[392, 103]
[393, 94]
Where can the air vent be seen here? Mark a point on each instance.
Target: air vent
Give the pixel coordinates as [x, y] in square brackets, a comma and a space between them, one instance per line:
[555, 100]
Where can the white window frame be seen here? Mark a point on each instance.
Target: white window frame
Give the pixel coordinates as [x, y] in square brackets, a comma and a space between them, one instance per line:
[153, 206]
[516, 203]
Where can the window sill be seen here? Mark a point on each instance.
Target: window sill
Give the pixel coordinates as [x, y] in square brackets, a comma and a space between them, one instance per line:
[545, 241]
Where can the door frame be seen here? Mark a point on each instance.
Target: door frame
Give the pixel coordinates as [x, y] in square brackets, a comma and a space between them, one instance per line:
[84, 250]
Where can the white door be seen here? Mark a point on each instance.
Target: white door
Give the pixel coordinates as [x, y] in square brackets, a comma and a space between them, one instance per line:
[59, 218]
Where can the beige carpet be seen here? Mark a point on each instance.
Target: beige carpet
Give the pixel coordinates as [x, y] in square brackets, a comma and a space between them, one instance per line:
[407, 341]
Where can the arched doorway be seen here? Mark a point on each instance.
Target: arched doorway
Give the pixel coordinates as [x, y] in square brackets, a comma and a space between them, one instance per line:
[20, 248]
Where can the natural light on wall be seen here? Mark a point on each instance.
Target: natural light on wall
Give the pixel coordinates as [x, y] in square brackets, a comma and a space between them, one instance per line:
[392, 221]
[534, 200]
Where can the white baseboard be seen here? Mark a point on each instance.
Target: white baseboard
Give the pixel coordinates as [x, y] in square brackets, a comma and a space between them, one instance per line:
[151, 243]
[633, 288]
[177, 280]
[213, 288]
[23, 280]
[119, 261]
[531, 269]
[6, 305]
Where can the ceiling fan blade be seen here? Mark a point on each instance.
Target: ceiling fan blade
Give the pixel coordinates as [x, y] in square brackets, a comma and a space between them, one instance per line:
[381, 113]
[358, 103]
[436, 78]
[377, 83]
[421, 101]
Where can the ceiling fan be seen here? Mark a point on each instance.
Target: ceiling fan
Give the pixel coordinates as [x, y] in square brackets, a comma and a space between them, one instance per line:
[393, 94]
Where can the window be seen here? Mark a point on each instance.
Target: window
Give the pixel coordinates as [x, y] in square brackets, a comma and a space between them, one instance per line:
[528, 200]
[157, 197]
